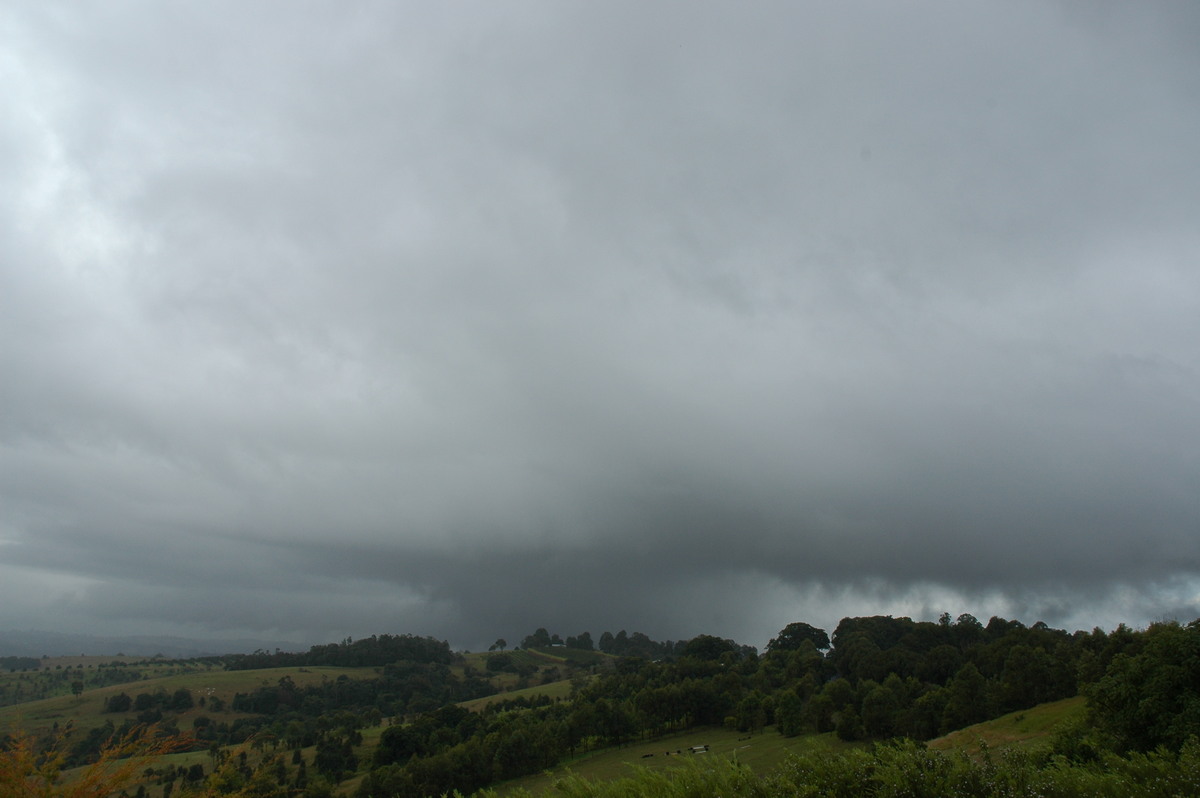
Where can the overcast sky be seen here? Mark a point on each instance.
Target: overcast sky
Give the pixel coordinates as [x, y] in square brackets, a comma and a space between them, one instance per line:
[329, 319]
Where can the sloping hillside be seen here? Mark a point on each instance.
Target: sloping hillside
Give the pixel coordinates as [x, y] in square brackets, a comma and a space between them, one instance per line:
[1026, 729]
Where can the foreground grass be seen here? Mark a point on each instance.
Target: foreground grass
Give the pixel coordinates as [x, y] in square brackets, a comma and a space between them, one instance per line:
[902, 769]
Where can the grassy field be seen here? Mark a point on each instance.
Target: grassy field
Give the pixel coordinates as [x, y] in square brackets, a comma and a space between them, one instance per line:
[1026, 729]
[560, 689]
[762, 752]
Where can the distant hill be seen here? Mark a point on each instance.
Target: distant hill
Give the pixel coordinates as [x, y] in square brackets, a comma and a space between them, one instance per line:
[34, 643]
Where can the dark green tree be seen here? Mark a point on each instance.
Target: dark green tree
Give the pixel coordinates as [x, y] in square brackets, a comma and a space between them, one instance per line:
[539, 639]
[499, 662]
[849, 725]
[967, 699]
[118, 703]
[335, 756]
[789, 714]
[583, 641]
[708, 647]
[880, 710]
[1152, 697]
[181, 700]
[793, 635]
[939, 664]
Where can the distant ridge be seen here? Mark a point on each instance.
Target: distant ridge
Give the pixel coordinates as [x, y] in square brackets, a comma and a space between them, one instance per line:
[35, 643]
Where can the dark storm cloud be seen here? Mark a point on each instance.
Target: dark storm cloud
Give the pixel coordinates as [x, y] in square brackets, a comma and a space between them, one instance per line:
[677, 318]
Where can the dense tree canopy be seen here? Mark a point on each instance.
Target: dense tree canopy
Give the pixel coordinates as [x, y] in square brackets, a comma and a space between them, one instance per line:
[1150, 695]
[793, 635]
[374, 650]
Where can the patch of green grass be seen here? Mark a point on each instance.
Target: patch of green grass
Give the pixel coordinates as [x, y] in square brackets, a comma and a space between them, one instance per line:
[762, 752]
[575, 657]
[559, 689]
[1025, 729]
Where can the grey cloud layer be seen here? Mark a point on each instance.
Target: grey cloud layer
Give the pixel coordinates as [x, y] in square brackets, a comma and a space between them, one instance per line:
[462, 321]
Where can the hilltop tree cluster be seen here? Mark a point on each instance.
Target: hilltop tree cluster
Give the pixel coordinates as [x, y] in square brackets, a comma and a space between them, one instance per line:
[374, 650]
[625, 644]
[621, 644]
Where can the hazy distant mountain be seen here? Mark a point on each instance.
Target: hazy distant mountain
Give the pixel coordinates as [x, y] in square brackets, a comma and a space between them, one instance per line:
[32, 643]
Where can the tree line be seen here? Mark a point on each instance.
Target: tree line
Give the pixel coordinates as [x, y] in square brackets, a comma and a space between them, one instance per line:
[376, 650]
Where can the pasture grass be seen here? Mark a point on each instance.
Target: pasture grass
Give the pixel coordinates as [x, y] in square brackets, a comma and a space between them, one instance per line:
[1025, 729]
[560, 690]
[762, 752]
